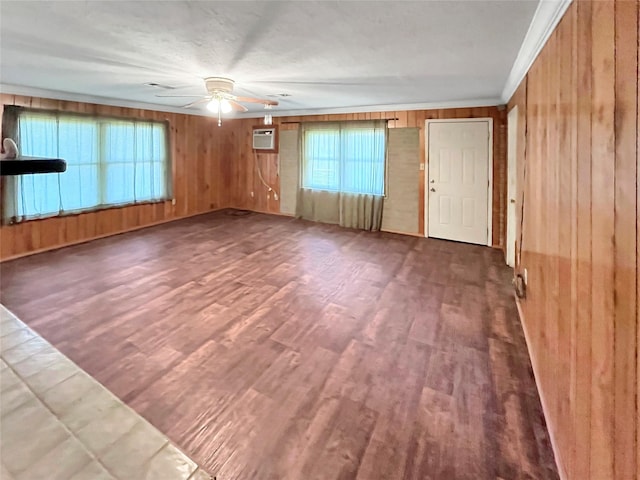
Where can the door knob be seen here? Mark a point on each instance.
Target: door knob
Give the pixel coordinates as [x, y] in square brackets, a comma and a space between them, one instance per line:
[433, 189]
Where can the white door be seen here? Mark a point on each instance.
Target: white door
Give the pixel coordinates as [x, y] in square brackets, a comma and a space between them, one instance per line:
[512, 175]
[458, 181]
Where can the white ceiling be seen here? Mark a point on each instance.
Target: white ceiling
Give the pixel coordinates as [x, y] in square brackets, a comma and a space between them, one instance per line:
[345, 55]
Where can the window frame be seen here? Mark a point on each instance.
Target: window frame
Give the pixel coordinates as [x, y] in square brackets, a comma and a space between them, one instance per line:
[99, 121]
[339, 127]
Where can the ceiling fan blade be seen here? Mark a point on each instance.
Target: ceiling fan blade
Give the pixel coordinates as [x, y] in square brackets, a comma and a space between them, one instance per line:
[237, 107]
[273, 103]
[202, 100]
[181, 96]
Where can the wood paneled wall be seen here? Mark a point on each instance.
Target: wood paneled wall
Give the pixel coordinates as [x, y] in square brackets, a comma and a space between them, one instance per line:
[246, 180]
[201, 156]
[578, 142]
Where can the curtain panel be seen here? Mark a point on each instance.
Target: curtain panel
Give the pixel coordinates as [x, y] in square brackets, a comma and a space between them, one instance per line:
[110, 162]
[351, 210]
[343, 173]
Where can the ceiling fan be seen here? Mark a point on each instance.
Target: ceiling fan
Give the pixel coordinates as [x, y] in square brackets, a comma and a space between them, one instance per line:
[220, 98]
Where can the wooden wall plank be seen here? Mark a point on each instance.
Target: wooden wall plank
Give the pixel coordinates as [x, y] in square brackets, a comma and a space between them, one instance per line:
[582, 438]
[638, 250]
[562, 263]
[7, 241]
[548, 266]
[571, 298]
[626, 215]
[571, 46]
[638, 258]
[602, 204]
[33, 235]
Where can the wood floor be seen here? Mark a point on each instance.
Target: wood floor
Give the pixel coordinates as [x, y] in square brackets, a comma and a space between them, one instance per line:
[272, 348]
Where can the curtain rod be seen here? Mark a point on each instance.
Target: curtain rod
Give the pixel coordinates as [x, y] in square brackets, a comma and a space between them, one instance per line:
[316, 121]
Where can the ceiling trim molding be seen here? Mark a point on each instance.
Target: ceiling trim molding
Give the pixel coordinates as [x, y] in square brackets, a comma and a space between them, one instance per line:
[73, 97]
[82, 98]
[480, 102]
[544, 21]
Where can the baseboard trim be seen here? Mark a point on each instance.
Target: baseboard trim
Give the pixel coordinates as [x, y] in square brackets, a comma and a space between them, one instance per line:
[264, 212]
[290, 215]
[543, 401]
[414, 234]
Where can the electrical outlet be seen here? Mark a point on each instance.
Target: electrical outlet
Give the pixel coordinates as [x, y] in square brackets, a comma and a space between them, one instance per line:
[173, 201]
[526, 280]
[422, 167]
[275, 196]
[251, 195]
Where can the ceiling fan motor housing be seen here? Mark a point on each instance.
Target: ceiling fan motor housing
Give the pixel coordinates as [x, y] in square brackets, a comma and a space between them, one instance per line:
[219, 84]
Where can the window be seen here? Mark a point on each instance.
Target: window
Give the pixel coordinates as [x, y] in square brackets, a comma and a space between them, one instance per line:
[109, 162]
[345, 157]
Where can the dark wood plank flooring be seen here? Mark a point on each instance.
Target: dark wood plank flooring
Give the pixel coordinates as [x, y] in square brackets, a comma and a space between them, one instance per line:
[273, 348]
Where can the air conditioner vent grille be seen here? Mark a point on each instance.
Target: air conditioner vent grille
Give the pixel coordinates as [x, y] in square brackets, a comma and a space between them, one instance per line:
[264, 139]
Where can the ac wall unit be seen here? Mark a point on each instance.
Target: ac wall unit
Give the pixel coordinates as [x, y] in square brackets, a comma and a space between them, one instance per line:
[265, 139]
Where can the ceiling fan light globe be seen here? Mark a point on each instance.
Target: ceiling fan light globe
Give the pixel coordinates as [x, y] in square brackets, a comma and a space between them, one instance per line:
[214, 105]
[225, 106]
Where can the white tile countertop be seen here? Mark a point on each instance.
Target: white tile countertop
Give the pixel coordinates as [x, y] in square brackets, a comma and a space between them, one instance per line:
[58, 423]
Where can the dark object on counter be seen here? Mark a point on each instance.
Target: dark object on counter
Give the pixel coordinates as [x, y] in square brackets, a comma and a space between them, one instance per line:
[31, 165]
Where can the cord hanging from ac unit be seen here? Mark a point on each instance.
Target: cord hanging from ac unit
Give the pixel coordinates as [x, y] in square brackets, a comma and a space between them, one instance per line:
[269, 188]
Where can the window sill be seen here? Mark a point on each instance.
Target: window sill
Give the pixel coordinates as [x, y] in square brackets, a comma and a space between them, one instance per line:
[96, 209]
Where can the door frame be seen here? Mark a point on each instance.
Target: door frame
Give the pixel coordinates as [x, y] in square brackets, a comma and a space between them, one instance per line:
[512, 178]
[489, 121]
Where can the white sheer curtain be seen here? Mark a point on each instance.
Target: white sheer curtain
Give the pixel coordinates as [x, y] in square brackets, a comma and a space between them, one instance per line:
[343, 173]
[346, 157]
[42, 135]
[109, 162]
[133, 162]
